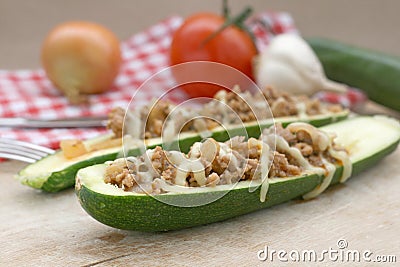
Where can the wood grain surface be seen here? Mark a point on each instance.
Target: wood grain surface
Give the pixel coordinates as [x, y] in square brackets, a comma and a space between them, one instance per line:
[42, 229]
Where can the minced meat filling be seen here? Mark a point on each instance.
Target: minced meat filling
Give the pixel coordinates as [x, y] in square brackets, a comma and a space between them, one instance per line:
[214, 163]
[227, 107]
[116, 120]
[155, 118]
[281, 167]
[303, 142]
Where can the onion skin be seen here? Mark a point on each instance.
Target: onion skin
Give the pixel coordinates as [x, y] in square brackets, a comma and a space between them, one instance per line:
[81, 58]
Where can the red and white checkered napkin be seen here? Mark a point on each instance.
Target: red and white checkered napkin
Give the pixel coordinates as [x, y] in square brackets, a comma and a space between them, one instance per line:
[28, 93]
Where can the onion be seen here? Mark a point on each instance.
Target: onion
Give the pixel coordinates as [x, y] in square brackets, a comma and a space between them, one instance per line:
[81, 58]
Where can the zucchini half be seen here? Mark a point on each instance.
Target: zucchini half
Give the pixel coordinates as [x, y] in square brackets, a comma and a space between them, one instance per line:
[55, 172]
[368, 140]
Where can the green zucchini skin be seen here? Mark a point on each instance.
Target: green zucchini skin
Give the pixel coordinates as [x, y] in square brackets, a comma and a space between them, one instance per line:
[65, 178]
[144, 213]
[375, 73]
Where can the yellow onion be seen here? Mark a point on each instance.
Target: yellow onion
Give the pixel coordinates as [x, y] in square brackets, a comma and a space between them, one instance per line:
[81, 58]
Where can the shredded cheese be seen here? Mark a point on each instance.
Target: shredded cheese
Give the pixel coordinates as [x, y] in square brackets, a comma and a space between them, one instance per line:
[318, 137]
[345, 160]
[330, 171]
[324, 142]
[265, 165]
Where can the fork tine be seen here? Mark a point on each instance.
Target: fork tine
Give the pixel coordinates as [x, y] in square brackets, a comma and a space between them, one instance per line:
[18, 152]
[23, 151]
[16, 157]
[26, 144]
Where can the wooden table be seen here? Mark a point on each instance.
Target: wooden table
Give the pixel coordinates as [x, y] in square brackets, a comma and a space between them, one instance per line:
[39, 229]
[42, 229]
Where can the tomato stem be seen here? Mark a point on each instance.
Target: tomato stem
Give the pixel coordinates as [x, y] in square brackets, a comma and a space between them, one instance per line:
[225, 9]
[236, 21]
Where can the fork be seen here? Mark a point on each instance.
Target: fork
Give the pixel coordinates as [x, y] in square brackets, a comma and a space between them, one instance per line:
[75, 122]
[22, 151]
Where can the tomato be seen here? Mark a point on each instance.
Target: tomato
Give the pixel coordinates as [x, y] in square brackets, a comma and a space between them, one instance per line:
[191, 42]
[81, 58]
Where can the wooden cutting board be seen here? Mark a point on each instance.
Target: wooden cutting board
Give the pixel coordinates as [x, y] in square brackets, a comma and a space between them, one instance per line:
[42, 229]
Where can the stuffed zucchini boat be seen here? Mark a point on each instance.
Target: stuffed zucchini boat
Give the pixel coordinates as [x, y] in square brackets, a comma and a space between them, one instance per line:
[168, 190]
[57, 172]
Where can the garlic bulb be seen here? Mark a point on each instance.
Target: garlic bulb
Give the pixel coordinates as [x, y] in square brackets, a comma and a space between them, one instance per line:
[289, 64]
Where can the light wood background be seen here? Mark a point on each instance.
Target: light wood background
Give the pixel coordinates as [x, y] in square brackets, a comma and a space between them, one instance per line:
[39, 229]
[24, 24]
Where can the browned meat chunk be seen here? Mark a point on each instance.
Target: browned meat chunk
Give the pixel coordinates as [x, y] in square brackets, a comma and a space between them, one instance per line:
[281, 168]
[155, 118]
[159, 160]
[240, 107]
[315, 160]
[286, 134]
[282, 108]
[313, 107]
[118, 173]
[305, 149]
[115, 121]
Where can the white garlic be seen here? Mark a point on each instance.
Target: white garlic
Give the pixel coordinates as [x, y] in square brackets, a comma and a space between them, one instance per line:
[289, 64]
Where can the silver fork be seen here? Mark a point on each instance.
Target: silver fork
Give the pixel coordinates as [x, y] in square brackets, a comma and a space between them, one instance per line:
[22, 151]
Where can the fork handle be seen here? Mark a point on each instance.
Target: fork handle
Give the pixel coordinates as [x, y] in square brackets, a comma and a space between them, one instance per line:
[83, 122]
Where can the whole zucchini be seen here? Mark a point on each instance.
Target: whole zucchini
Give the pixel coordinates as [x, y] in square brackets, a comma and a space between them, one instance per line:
[377, 74]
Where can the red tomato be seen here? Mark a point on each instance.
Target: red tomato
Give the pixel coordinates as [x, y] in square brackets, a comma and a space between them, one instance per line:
[232, 46]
